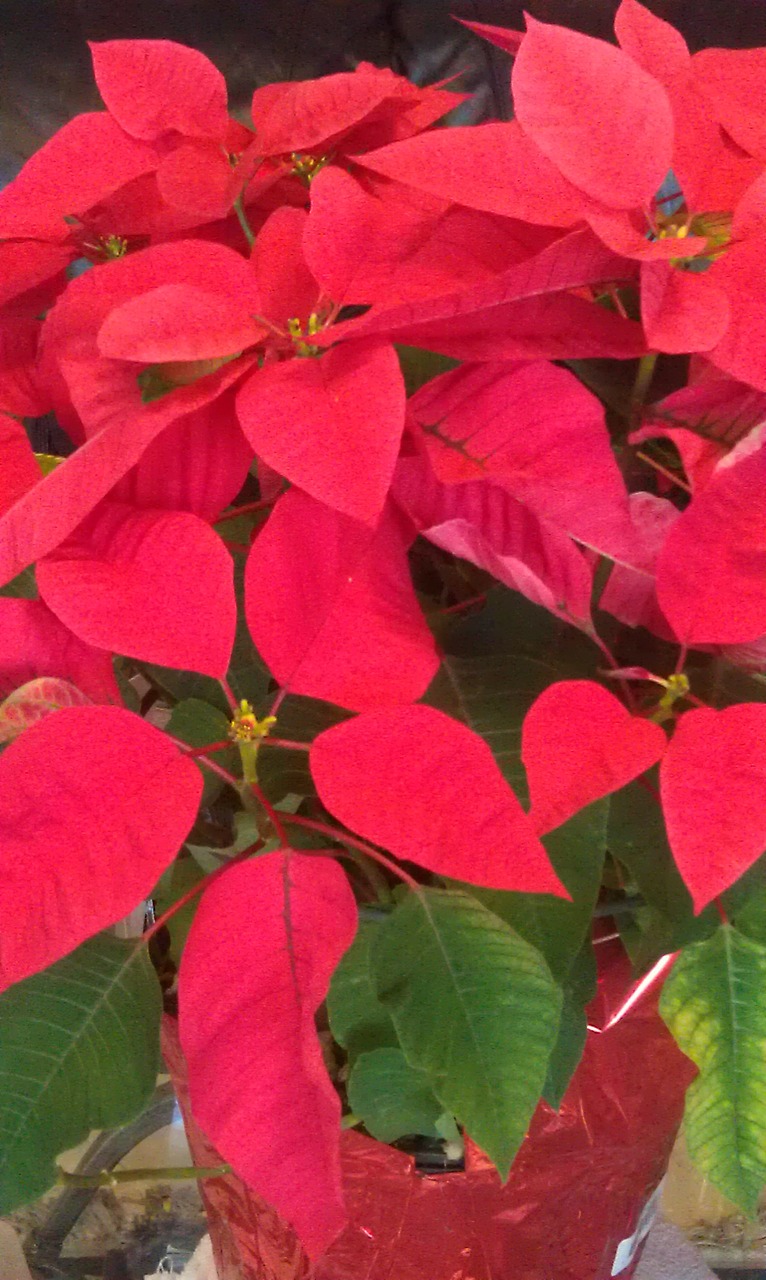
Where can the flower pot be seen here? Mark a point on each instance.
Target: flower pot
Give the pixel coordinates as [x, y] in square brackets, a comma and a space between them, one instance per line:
[579, 1202]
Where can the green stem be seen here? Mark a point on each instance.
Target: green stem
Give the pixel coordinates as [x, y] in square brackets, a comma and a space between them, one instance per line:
[239, 209]
[644, 375]
[112, 1178]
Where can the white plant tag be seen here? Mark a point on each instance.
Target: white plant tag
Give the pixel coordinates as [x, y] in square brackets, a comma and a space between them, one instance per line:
[628, 1248]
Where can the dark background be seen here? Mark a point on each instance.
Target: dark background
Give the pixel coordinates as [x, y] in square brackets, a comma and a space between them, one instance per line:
[45, 75]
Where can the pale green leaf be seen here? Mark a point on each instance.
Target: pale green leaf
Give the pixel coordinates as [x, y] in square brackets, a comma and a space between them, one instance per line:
[714, 1002]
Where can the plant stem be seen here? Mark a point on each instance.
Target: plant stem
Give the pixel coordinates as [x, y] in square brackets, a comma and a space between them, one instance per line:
[239, 209]
[114, 1177]
[246, 509]
[287, 743]
[232, 701]
[342, 837]
[663, 471]
[644, 375]
[209, 748]
[162, 920]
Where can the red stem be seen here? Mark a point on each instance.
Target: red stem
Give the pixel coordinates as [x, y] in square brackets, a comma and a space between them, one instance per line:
[208, 749]
[274, 817]
[232, 701]
[721, 911]
[624, 684]
[464, 604]
[247, 507]
[335, 833]
[197, 888]
[287, 743]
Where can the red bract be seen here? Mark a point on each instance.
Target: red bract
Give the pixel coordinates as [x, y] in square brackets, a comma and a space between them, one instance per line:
[732, 81]
[20, 470]
[480, 522]
[428, 788]
[153, 585]
[535, 431]
[578, 744]
[630, 593]
[713, 785]
[373, 241]
[112, 800]
[346, 417]
[81, 165]
[33, 642]
[257, 965]
[538, 307]
[153, 87]
[343, 623]
[347, 113]
[565, 85]
[711, 573]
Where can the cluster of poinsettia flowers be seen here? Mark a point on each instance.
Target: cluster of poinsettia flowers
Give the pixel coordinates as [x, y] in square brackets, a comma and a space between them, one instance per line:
[246, 292]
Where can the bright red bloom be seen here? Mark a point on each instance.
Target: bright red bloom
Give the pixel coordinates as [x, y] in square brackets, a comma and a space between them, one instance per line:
[568, 157]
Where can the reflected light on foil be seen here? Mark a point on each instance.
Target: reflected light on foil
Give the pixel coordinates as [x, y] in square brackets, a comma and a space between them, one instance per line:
[641, 988]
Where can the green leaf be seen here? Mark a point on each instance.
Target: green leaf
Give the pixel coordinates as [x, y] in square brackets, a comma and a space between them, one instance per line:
[128, 693]
[211, 857]
[185, 684]
[181, 876]
[358, 1021]
[637, 838]
[23, 586]
[475, 1008]
[555, 927]
[198, 724]
[579, 989]
[392, 1098]
[79, 1051]
[714, 1002]
[248, 676]
[419, 367]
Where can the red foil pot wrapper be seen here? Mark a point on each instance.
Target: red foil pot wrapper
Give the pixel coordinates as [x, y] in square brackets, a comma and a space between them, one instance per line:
[578, 1204]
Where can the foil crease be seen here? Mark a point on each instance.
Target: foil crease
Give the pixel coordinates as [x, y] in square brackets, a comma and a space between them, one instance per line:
[576, 1192]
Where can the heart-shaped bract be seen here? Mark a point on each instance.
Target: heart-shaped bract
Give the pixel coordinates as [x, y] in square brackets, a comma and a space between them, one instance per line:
[429, 789]
[713, 786]
[579, 743]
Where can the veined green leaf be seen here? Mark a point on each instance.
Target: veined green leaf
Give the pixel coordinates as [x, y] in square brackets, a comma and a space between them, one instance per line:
[475, 1008]
[579, 988]
[714, 1002]
[79, 1050]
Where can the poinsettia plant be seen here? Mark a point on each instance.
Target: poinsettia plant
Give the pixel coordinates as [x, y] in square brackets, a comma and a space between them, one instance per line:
[399, 604]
